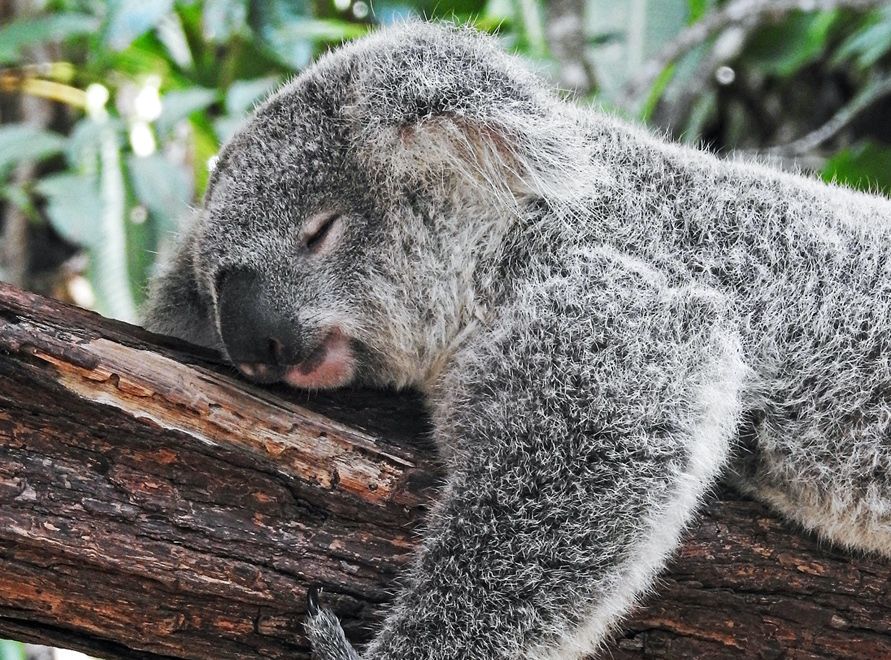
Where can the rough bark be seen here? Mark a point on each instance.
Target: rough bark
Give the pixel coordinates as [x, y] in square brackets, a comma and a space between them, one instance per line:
[152, 505]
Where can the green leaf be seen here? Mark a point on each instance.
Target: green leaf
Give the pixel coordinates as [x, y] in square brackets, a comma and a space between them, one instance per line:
[24, 143]
[83, 143]
[128, 19]
[646, 26]
[785, 48]
[866, 166]
[20, 199]
[225, 127]
[179, 104]
[10, 650]
[31, 31]
[700, 114]
[172, 35]
[868, 45]
[324, 30]
[162, 187]
[532, 30]
[224, 18]
[242, 94]
[277, 23]
[74, 207]
[656, 91]
[204, 146]
[697, 9]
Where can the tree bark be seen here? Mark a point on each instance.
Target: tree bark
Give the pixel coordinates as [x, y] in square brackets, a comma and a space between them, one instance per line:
[153, 505]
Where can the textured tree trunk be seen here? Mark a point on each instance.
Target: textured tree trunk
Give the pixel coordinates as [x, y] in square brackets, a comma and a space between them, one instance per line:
[152, 505]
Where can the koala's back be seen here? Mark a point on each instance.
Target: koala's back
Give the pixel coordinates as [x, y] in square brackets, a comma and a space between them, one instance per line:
[806, 269]
[817, 326]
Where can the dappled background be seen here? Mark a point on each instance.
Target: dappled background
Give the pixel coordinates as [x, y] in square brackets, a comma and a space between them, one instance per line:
[111, 111]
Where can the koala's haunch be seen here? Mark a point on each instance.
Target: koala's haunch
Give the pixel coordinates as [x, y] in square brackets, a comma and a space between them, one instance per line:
[603, 323]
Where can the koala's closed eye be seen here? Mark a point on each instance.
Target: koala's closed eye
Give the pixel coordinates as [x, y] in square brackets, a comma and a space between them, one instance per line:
[321, 230]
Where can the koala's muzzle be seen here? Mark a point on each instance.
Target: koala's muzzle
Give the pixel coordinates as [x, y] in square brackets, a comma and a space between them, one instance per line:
[258, 338]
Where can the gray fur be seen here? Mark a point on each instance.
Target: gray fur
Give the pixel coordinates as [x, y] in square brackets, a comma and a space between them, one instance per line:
[604, 323]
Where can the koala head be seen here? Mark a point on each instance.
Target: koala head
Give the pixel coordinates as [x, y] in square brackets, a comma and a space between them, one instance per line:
[343, 225]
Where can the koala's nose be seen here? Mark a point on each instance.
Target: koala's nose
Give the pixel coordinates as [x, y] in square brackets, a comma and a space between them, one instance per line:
[257, 336]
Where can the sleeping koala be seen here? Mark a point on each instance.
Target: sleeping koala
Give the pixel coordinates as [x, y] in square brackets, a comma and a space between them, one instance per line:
[593, 314]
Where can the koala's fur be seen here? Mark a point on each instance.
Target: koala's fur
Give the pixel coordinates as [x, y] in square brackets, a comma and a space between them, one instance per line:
[603, 323]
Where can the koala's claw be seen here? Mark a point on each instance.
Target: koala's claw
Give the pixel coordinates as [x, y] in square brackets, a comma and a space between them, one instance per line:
[312, 600]
[324, 631]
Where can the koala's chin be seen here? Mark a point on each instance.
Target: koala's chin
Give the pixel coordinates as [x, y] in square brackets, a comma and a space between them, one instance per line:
[331, 365]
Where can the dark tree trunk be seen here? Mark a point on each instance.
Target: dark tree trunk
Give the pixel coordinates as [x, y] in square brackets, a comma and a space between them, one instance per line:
[152, 505]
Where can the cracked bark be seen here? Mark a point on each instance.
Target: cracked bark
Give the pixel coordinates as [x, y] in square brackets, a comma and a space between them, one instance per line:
[152, 505]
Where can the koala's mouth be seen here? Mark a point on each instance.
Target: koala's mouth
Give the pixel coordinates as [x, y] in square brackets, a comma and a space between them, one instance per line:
[331, 364]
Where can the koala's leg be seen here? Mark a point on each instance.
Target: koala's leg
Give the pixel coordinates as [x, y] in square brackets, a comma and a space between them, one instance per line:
[583, 430]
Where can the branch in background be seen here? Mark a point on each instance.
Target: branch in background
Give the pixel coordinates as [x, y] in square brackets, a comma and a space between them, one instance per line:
[727, 47]
[567, 41]
[14, 240]
[872, 93]
[735, 13]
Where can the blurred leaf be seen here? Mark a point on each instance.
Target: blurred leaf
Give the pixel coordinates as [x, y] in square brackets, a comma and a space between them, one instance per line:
[172, 34]
[141, 247]
[276, 22]
[225, 127]
[222, 19]
[83, 143]
[242, 94]
[128, 19]
[868, 45]
[656, 91]
[145, 55]
[161, 186]
[445, 9]
[31, 31]
[605, 38]
[23, 142]
[73, 206]
[19, 198]
[697, 9]
[324, 30]
[532, 28]
[179, 104]
[699, 116]
[204, 146]
[10, 650]
[785, 48]
[646, 26]
[865, 166]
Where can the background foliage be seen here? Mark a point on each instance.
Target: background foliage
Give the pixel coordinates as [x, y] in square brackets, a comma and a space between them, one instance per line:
[110, 111]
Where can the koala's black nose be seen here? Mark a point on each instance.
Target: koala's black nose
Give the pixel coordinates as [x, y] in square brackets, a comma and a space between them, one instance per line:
[259, 339]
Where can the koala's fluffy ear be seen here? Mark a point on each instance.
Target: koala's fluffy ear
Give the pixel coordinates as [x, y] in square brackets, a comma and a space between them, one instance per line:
[175, 304]
[428, 99]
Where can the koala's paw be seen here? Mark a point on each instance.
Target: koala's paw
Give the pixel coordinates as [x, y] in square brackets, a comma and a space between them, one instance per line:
[325, 633]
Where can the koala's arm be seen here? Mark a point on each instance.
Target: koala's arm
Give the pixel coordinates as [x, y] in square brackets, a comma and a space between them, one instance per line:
[175, 305]
[583, 430]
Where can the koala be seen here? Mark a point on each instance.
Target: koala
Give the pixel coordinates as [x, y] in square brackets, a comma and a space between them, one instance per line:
[602, 323]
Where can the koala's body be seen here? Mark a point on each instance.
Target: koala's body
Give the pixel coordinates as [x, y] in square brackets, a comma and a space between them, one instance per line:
[603, 324]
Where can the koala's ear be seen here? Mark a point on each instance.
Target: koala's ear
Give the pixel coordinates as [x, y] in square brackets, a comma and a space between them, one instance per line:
[175, 304]
[428, 99]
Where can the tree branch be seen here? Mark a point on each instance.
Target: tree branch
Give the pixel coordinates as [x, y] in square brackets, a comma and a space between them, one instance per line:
[873, 92]
[734, 13]
[154, 506]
